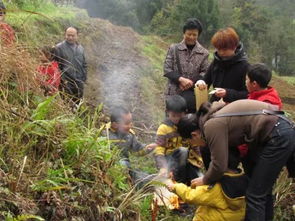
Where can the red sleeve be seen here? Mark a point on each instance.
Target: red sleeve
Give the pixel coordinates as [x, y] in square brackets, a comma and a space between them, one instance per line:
[7, 34]
[56, 75]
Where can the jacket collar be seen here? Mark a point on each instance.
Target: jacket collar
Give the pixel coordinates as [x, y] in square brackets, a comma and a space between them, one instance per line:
[197, 49]
[68, 44]
[255, 94]
[168, 122]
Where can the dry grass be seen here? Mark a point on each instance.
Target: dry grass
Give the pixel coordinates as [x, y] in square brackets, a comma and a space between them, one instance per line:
[19, 67]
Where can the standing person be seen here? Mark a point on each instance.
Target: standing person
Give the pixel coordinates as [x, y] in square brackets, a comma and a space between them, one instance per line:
[228, 70]
[271, 139]
[185, 63]
[257, 80]
[7, 35]
[72, 63]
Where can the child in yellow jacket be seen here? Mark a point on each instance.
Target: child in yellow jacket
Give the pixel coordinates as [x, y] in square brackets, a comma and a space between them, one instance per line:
[172, 153]
[222, 201]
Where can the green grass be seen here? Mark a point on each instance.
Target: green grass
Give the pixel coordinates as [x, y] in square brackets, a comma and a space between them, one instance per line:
[145, 207]
[48, 10]
[289, 79]
[154, 51]
[153, 84]
[42, 25]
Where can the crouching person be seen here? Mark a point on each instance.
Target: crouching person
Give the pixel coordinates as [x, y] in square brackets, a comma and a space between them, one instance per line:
[172, 154]
[221, 201]
[123, 137]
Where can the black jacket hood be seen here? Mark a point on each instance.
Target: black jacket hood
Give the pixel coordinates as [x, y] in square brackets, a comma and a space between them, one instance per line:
[240, 55]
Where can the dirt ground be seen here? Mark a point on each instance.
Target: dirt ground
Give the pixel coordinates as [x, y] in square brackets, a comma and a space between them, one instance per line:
[287, 94]
[115, 64]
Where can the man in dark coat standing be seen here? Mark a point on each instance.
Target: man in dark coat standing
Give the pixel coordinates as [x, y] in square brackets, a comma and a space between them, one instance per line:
[72, 63]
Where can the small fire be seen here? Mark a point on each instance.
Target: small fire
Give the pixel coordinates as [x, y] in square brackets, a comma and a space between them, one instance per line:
[174, 202]
[166, 198]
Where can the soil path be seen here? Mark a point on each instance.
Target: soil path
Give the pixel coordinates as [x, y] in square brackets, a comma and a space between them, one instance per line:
[115, 64]
[287, 94]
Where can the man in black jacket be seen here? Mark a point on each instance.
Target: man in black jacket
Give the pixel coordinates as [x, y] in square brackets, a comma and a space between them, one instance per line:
[72, 63]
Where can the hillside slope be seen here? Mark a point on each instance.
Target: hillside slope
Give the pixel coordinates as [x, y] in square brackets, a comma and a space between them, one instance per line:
[117, 66]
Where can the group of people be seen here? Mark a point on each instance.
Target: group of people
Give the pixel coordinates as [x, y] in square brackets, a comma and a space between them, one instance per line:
[200, 150]
[245, 126]
[226, 156]
[63, 67]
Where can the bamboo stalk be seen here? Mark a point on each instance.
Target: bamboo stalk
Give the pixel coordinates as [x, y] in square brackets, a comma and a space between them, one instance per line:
[21, 171]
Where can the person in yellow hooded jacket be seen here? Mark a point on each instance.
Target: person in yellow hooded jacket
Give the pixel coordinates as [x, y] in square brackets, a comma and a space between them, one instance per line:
[222, 201]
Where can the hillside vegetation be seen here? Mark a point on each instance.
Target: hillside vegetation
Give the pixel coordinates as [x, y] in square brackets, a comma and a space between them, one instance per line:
[55, 164]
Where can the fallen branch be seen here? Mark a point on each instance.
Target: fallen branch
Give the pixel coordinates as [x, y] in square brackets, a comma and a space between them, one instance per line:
[144, 130]
[21, 171]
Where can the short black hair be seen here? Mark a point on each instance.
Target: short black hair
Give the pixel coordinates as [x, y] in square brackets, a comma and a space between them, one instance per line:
[118, 112]
[187, 125]
[234, 158]
[193, 23]
[2, 8]
[259, 73]
[176, 103]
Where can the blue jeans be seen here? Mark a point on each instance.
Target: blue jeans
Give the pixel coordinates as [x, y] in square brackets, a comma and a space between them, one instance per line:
[264, 170]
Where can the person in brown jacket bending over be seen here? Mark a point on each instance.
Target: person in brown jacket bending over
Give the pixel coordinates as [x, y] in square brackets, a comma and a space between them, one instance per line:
[185, 63]
[271, 139]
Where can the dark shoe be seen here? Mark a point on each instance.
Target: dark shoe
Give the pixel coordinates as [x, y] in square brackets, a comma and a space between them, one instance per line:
[185, 210]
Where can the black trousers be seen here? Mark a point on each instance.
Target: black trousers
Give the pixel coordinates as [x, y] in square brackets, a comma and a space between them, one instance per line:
[183, 171]
[190, 98]
[263, 167]
[72, 90]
